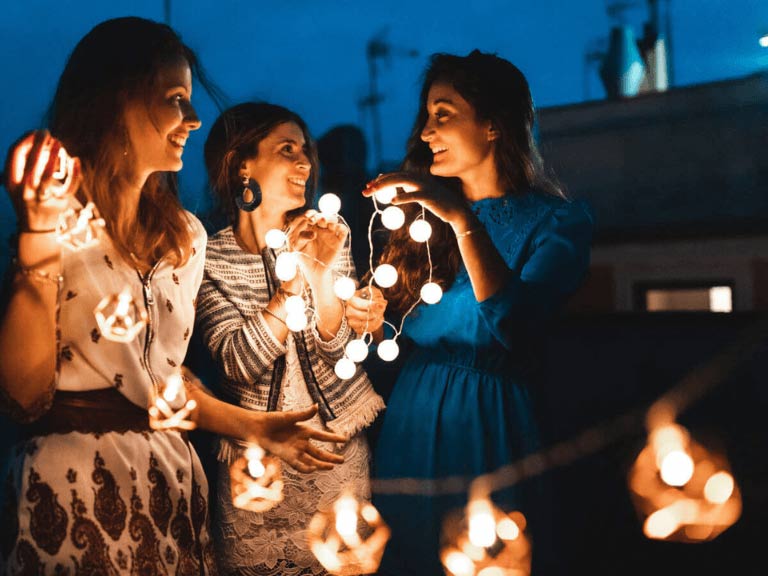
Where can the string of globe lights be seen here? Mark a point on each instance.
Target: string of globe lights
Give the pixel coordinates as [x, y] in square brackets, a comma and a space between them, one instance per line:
[682, 490]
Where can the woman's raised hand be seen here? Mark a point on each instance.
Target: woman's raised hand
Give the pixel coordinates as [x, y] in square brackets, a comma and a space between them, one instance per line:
[40, 178]
[319, 240]
[447, 204]
[365, 310]
[284, 435]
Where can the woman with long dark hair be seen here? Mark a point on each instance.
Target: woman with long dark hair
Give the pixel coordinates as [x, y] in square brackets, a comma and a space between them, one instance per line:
[262, 166]
[507, 247]
[93, 487]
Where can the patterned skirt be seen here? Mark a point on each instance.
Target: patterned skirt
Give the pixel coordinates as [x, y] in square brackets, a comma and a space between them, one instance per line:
[111, 503]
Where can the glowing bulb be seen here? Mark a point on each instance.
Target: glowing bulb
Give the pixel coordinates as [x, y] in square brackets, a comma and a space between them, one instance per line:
[346, 518]
[285, 266]
[118, 317]
[719, 487]
[492, 571]
[385, 195]
[388, 350]
[420, 230]
[79, 229]
[295, 305]
[661, 524]
[329, 204]
[459, 563]
[256, 467]
[385, 275]
[174, 391]
[431, 293]
[764, 41]
[345, 368]
[482, 524]
[507, 529]
[296, 322]
[275, 238]
[344, 287]
[357, 350]
[676, 468]
[393, 217]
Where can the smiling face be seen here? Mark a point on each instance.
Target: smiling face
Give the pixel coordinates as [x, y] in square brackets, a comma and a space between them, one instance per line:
[281, 167]
[158, 127]
[461, 144]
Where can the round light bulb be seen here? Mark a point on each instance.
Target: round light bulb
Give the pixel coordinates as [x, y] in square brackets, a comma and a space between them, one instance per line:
[719, 487]
[329, 204]
[345, 368]
[344, 287]
[459, 564]
[285, 266]
[385, 195]
[393, 217]
[295, 305]
[357, 350]
[275, 238]
[388, 350]
[507, 529]
[676, 468]
[385, 275]
[296, 322]
[420, 230]
[431, 293]
[482, 525]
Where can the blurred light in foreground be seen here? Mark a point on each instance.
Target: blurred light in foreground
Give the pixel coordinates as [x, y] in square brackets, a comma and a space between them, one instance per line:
[484, 541]
[169, 408]
[256, 481]
[764, 40]
[682, 491]
[119, 318]
[79, 228]
[350, 538]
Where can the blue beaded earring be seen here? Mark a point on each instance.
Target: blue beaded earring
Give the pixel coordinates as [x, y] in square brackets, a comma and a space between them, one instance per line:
[249, 196]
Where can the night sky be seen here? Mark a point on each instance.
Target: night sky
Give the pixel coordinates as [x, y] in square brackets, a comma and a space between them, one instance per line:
[310, 55]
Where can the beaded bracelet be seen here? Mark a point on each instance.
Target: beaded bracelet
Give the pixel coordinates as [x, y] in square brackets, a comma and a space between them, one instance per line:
[39, 275]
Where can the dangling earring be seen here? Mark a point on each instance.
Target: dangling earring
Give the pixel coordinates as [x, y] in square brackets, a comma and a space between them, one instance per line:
[249, 196]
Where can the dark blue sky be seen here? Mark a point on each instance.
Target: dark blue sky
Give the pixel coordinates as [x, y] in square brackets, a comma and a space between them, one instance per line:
[310, 54]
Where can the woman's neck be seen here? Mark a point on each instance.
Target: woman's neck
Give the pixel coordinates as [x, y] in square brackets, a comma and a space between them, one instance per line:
[252, 228]
[482, 184]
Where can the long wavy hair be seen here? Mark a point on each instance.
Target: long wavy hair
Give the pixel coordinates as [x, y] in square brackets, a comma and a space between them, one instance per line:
[235, 137]
[498, 92]
[117, 63]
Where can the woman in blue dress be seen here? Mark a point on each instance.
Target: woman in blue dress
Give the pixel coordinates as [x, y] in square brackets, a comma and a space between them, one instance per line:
[506, 248]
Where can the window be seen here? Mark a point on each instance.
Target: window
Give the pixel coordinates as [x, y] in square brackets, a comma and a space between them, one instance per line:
[684, 296]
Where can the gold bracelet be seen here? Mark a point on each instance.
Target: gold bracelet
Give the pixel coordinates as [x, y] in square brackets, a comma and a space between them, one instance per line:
[265, 310]
[39, 275]
[460, 235]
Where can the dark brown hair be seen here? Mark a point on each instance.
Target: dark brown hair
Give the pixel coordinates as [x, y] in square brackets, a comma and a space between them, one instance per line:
[117, 62]
[498, 92]
[235, 137]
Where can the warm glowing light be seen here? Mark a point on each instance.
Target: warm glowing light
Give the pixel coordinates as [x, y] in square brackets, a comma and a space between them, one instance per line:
[393, 217]
[350, 539]
[79, 228]
[388, 350]
[719, 487]
[482, 525]
[385, 275]
[459, 563]
[676, 468]
[507, 529]
[385, 195]
[255, 480]
[173, 392]
[431, 293]
[285, 266]
[720, 299]
[329, 204]
[344, 368]
[357, 350]
[764, 41]
[494, 571]
[169, 408]
[344, 287]
[420, 230]
[275, 238]
[295, 305]
[296, 322]
[119, 318]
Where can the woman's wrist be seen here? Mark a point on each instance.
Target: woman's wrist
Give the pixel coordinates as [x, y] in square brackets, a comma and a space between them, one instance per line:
[464, 224]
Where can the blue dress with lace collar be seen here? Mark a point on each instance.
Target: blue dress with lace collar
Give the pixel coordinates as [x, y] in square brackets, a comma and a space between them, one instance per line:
[460, 405]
